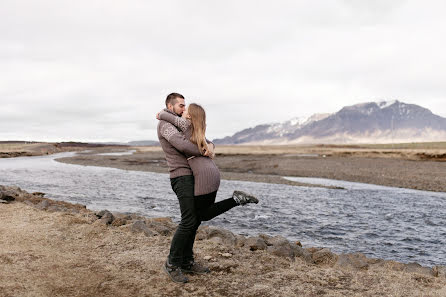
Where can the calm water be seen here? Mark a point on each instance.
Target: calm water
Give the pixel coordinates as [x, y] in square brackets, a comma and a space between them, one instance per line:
[383, 222]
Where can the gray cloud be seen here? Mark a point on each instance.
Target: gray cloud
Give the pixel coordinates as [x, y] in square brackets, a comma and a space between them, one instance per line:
[95, 70]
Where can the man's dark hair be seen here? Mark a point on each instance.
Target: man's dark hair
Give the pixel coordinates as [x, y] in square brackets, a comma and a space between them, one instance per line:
[172, 98]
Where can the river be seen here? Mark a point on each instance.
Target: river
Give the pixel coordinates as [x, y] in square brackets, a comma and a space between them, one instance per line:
[382, 222]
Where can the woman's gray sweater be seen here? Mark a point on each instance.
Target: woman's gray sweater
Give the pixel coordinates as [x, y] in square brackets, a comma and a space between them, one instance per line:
[206, 173]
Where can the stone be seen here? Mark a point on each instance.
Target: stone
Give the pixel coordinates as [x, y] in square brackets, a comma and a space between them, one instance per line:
[54, 208]
[207, 258]
[227, 237]
[39, 194]
[226, 255]
[282, 251]
[356, 260]
[255, 243]
[5, 196]
[141, 227]
[44, 204]
[302, 253]
[277, 241]
[417, 268]
[439, 271]
[240, 240]
[159, 227]
[105, 217]
[119, 222]
[324, 256]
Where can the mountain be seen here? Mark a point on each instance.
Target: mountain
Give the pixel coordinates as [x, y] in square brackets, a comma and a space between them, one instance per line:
[371, 122]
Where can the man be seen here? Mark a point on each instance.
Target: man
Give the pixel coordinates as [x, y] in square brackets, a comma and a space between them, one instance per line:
[175, 146]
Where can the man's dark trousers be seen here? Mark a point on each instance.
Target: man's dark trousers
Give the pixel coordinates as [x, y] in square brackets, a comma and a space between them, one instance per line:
[183, 240]
[193, 211]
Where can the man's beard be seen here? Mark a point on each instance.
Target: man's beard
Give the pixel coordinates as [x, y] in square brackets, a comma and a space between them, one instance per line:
[178, 114]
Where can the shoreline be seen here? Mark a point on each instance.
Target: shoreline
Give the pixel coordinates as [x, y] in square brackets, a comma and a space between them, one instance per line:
[100, 253]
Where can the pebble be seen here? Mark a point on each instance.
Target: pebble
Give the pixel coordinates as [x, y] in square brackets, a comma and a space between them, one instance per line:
[227, 255]
[207, 258]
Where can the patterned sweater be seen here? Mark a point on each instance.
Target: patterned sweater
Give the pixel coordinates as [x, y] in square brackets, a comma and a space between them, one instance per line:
[206, 173]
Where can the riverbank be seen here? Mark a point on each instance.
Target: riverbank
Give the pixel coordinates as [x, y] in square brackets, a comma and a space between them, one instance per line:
[418, 168]
[12, 149]
[54, 248]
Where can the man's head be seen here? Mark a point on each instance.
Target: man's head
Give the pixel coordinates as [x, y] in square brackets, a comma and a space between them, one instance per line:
[175, 102]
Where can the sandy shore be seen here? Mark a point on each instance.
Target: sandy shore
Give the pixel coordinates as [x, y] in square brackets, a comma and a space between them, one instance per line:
[396, 168]
[51, 248]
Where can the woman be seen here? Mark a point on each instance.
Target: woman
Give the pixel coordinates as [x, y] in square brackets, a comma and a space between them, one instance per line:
[206, 174]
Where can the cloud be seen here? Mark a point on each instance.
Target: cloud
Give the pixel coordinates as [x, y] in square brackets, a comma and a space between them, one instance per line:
[96, 70]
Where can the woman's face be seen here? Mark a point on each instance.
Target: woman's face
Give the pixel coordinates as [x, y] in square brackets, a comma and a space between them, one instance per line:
[186, 114]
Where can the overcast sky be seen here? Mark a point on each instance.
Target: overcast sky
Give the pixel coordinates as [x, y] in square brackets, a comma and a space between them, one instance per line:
[90, 70]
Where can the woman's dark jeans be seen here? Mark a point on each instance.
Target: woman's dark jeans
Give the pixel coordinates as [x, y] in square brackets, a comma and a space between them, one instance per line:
[194, 210]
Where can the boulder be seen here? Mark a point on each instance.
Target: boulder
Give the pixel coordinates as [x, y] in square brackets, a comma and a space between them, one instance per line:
[302, 253]
[164, 226]
[6, 196]
[141, 227]
[324, 256]
[356, 260]
[119, 222]
[226, 237]
[44, 204]
[255, 243]
[105, 217]
[160, 228]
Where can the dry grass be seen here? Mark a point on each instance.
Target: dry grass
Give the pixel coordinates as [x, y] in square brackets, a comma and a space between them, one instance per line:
[19, 147]
[62, 254]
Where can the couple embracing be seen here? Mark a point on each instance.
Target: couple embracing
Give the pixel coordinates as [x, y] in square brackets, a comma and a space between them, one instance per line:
[194, 178]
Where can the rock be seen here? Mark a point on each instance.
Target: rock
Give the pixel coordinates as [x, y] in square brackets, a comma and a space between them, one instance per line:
[54, 208]
[227, 237]
[226, 255]
[277, 241]
[3, 201]
[302, 253]
[39, 194]
[5, 196]
[439, 271]
[417, 268]
[160, 227]
[207, 258]
[44, 204]
[282, 251]
[141, 227]
[217, 240]
[255, 243]
[105, 217]
[240, 240]
[324, 256]
[119, 222]
[356, 260]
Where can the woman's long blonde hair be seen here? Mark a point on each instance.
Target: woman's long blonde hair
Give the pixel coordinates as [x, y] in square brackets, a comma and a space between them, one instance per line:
[198, 120]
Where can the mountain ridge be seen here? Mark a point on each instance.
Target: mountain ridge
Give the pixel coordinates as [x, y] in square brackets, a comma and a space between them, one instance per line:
[368, 122]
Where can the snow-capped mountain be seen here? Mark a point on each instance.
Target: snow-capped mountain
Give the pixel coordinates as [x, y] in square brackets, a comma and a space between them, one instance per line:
[372, 122]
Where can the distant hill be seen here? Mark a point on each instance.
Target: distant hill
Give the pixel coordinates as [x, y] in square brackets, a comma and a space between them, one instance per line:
[371, 122]
[143, 143]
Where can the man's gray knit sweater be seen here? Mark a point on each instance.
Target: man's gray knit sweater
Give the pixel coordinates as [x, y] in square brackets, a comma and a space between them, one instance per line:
[206, 173]
[176, 147]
